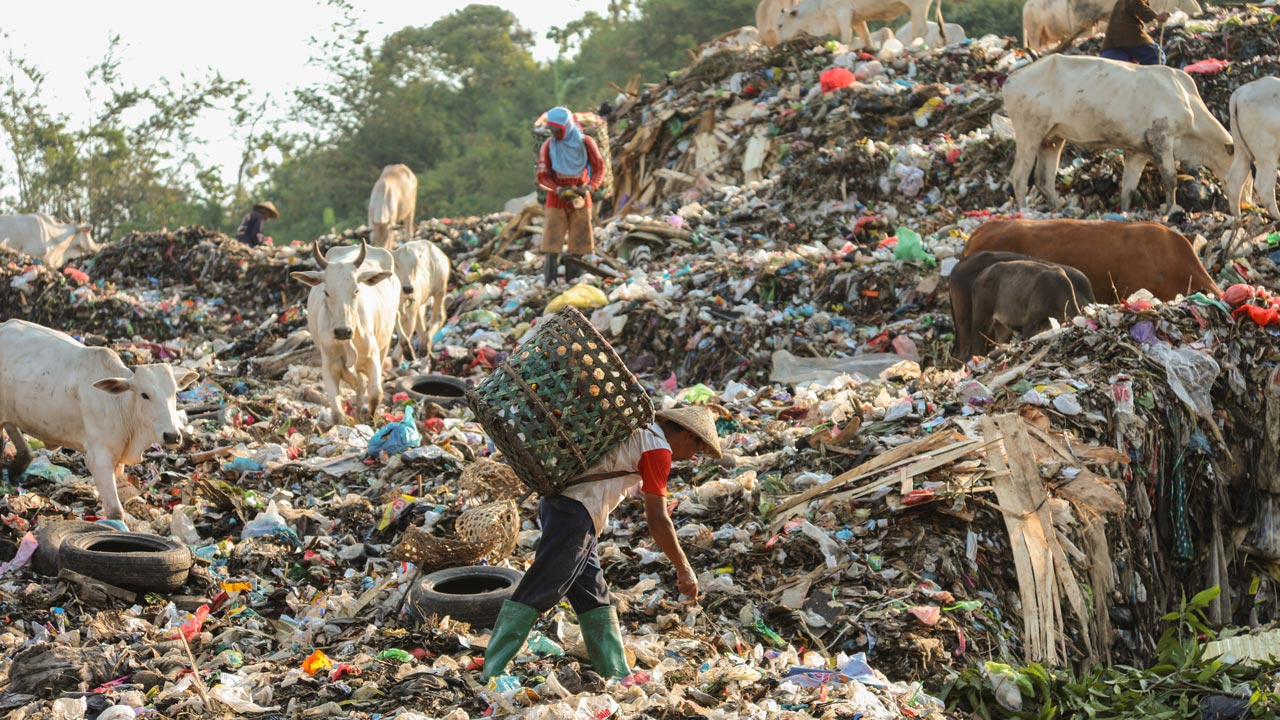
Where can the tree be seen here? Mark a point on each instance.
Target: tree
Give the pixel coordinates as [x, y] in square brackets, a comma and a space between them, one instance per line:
[133, 165]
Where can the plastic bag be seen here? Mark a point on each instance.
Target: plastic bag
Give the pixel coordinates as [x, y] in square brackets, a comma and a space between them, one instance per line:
[394, 438]
[1191, 375]
[1004, 682]
[181, 527]
[1267, 531]
[910, 247]
[581, 296]
[789, 369]
[835, 78]
[267, 523]
[1210, 66]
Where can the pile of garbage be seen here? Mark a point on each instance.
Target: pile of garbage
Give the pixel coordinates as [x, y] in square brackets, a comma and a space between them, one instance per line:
[884, 515]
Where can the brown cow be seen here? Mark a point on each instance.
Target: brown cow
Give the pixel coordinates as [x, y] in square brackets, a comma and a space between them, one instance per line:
[1023, 296]
[1119, 258]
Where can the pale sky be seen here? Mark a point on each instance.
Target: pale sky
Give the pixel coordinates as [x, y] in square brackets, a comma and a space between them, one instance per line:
[266, 42]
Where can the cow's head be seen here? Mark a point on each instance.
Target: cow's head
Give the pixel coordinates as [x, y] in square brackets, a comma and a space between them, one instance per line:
[81, 243]
[341, 282]
[406, 268]
[151, 398]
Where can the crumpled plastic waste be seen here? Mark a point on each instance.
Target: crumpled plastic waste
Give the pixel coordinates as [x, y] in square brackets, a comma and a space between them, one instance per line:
[1191, 374]
[395, 437]
[581, 296]
[835, 78]
[1210, 66]
[911, 247]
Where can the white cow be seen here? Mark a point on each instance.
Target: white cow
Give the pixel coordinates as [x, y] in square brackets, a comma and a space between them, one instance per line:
[44, 238]
[1152, 113]
[86, 399]
[393, 200]
[738, 40]
[843, 17]
[933, 38]
[351, 314]
[515, 205]
[768, 15]
[1047, 22]
[1255, 132]
[423, 272]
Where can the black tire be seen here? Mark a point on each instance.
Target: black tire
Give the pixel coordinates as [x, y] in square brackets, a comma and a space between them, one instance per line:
[472, 595]
[51, 535]
[129, 560]
[444, 390]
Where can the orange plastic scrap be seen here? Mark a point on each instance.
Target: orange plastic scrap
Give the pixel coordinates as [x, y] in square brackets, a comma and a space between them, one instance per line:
[316, 662]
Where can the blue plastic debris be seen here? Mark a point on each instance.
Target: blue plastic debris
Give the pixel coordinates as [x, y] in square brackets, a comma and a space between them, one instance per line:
[394, 438]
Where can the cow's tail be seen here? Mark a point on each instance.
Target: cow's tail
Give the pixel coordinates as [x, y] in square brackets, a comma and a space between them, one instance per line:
[942, 27]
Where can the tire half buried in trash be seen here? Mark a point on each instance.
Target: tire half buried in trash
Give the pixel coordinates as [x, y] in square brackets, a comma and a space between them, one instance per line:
[51, 535]
[130, 560]
[444, 390]
[473, 595]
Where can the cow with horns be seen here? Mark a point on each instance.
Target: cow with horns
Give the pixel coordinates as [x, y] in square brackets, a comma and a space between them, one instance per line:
[351, 314]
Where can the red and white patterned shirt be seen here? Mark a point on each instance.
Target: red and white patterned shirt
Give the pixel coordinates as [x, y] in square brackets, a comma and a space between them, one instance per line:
[592, 175]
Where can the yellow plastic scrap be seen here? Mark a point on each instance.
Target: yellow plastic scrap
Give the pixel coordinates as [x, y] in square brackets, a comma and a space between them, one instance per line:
[581, 296]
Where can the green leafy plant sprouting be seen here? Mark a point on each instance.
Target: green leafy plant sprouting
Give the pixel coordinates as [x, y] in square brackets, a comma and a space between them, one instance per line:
[1172, 688]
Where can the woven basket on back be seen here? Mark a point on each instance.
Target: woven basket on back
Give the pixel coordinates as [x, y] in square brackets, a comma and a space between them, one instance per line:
[560, 403]
[486, 532]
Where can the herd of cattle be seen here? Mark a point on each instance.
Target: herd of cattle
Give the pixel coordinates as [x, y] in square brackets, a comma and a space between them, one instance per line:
[1014, 275]
[1043, 21]
[86, 399]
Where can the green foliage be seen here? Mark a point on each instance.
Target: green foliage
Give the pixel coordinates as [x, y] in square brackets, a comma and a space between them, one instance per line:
[130, 166]
[651, 41]
[982, 17]
[1171, 688]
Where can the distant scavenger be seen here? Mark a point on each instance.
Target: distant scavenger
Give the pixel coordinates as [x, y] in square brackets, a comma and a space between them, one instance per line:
[570, 167]
[567, 562]
[1127, 39]
[250, 232]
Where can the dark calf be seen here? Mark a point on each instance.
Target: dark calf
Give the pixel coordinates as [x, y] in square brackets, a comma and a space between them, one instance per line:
[1022, 296]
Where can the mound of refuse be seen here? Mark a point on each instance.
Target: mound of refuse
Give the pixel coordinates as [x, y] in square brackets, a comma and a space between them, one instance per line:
[884, 516]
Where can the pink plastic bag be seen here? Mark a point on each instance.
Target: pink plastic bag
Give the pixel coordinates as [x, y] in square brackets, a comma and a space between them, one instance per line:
[1212, 66]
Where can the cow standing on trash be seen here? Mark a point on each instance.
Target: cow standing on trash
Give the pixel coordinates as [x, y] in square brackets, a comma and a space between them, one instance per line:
[394, 199]
[422, 270]
[1152, 113]
[68, 395]
[351, 314]
[1255, 132]
[41, 236]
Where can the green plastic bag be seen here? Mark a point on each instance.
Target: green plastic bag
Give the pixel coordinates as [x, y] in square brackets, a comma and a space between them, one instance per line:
[910, 247]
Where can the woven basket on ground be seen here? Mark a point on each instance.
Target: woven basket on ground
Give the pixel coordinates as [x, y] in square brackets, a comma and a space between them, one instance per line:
[489, 480]
[560, 403]
[486, 532]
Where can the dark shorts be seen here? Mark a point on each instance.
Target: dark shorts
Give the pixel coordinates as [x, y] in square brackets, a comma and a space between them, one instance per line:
[1141, 54]
[566, 563]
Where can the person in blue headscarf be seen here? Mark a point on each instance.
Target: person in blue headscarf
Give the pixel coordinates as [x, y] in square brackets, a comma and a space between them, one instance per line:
[570, 167]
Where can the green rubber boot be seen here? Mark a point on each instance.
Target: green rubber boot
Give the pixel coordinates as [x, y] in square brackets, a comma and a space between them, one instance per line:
[603, 637]
[515, 620]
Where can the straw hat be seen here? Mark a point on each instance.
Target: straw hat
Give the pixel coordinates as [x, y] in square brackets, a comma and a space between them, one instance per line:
[267, 207]
[697, 420]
